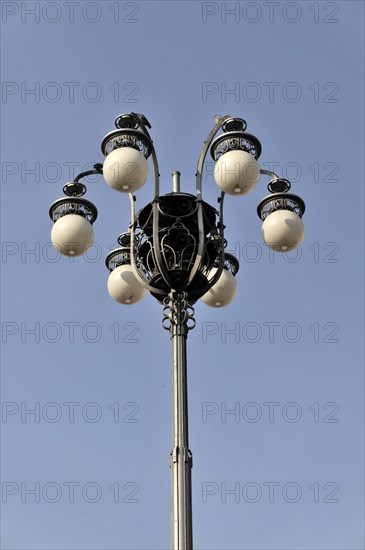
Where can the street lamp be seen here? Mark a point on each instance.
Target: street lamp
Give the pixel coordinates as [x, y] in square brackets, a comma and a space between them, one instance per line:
[175, 249]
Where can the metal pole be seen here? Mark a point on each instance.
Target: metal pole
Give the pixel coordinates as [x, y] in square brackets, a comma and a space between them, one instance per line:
[181, 457]
[176, 181]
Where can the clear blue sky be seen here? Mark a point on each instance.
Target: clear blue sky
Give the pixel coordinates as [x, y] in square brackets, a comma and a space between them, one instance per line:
[294, 71]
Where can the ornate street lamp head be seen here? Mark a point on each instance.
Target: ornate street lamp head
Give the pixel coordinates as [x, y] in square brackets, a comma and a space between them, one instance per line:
[123, 285]
[236, 152]
[72, 233]
[127, 150]
[281, 213]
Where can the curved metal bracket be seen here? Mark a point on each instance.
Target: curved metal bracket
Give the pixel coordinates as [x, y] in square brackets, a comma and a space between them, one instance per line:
[98, 169]
[276, 184]
[143, 123]
[75, 188]
[136, 271]
[220, 121]
[199, 171]
[269, 173]
[220, 267]
[156, 246]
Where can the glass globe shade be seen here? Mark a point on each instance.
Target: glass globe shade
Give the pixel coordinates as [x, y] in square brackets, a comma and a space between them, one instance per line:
[124, 287]
[223, 291]
[283, 230]
[236, 172]
[72, 235]
[125, 169]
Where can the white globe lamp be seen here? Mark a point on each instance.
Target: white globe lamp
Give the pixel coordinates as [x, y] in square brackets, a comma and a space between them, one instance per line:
[72, 233]
[236, 172]
[283, 231]
[125, 169]
[224, 290]
[281, 212]
[124, 287]
[236, 153]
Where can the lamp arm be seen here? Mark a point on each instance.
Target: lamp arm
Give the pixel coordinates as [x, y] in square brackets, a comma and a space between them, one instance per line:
[156, 245]
[199, 254]
[136, 271]
[197, 264]
[276, 183]
[143, 123]
[269, 173]
[199, 257]
[98, 169]
[218, 273]
[199, 171]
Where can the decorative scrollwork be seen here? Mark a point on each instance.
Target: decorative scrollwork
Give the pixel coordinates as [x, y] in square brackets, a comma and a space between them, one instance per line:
[231, 263]
[74, 205]
[178, 247]
[126, 141]
[281, 202]
[118, 257]
[127, 137]
[231, 144]
[178, 312]
[232, 141]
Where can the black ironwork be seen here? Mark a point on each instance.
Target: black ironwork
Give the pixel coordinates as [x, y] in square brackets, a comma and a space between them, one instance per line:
[233, 141]
[279, 185]
[74, 189]
[234, 124]
[73, 205]
[178, 310]
[119, 256]
[231, 263]
[127, 138]
[280, 201]
[98, 169]
[131, 132]
[176, 244]
[131, 120]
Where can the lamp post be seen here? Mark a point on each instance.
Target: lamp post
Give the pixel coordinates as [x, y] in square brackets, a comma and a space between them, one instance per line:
[175, 249]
